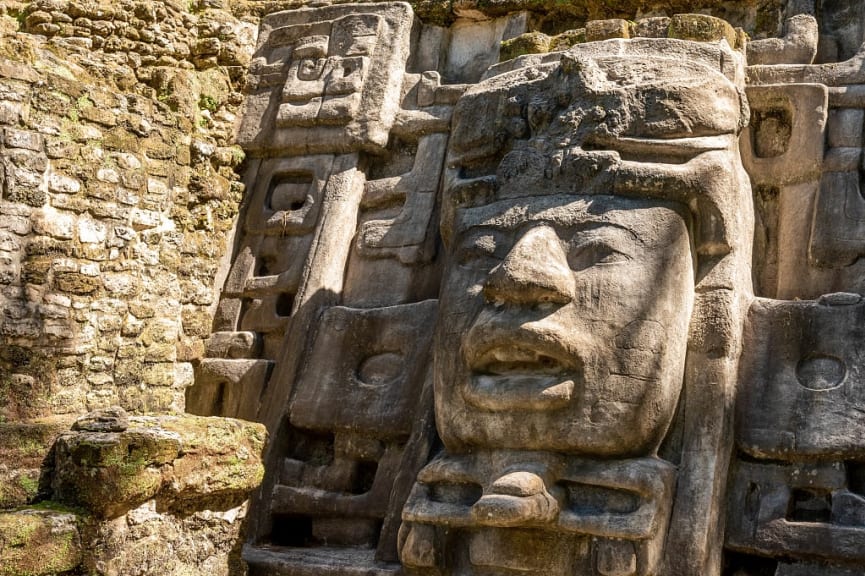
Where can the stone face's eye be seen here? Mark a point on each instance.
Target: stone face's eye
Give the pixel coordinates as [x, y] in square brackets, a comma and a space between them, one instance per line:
[594, 252]
[310, 68]
[381, 369]
[479, 252]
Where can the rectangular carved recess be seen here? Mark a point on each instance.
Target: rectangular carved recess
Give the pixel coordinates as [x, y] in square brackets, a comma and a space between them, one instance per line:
[799, 474]
[350, 440]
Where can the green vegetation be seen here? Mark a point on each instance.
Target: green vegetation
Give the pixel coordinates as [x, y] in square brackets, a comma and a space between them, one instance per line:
[207, 102]
[29, 485]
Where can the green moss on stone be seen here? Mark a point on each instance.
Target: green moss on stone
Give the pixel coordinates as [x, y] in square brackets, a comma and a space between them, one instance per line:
[37, 542]
[29, 484]
[701, 28]
[528, 43]
[207, 102]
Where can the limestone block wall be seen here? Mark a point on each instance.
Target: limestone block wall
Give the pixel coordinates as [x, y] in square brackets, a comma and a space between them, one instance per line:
[118, 195]
[118, 200]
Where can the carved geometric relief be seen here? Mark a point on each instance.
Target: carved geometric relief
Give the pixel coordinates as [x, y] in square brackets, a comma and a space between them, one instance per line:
[798, 510]
[783, 153]
[258, 295]
[537, 512]
[287, 197]
[406, 236]
[327, 79]
[838, 231]
[801, 393]
[783, 143]
[282, 214]
[229, 387]
[373, 384]
[799, 491]
[397, 233]
[327, 70]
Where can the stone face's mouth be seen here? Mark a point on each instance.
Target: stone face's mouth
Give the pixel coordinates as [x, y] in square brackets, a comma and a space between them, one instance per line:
[510, 373]
[510, 360]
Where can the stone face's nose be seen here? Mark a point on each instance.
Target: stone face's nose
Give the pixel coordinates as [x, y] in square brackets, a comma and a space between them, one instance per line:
[516, 499]
[534, 271]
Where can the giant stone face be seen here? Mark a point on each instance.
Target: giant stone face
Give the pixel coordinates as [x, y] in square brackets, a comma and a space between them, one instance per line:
[573, 313]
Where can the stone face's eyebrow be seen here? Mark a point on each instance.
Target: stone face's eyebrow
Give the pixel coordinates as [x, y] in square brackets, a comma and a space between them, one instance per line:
[588, 225]
[512, 211]
[669, 150]
[605, 226]
[559, 210]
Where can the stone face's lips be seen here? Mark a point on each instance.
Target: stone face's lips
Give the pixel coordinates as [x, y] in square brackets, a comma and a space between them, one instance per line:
[511, 359]
[519, 392]
[518, 368]
[503, 343]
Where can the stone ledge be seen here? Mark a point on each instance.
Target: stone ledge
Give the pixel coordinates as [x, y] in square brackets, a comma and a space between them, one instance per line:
[184, 462]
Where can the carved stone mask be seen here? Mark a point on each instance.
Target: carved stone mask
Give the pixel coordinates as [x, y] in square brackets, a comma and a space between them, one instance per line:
[565, 324]
[327, 71]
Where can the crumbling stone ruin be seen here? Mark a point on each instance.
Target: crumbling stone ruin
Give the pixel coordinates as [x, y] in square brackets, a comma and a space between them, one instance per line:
[432, 288]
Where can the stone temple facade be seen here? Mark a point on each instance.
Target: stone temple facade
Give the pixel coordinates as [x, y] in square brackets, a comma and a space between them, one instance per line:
[432, 289]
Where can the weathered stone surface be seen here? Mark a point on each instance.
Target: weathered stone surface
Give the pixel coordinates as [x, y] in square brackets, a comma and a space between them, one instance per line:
[802, 511]
[148, 540]
[229, 387]
[606, 29]
[23, 448]
[502, 518]
[342, 76]
[373, 387]
[701, 28]
[797, 46]
[112, 419]
[799, 397]
[528, 43]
